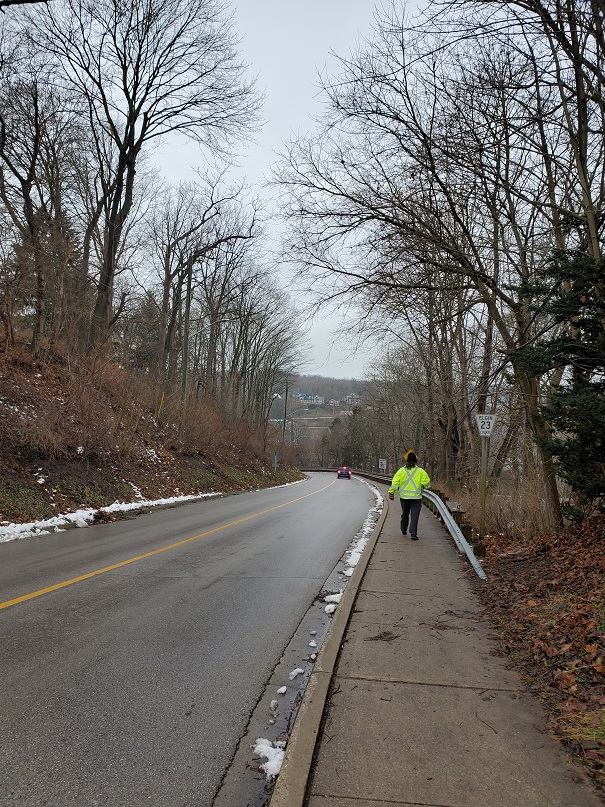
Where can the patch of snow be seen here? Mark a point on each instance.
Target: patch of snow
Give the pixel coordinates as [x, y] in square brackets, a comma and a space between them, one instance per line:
[136, 491]
[85, 516]
[292, 675]
[354, 552]
[274, 755]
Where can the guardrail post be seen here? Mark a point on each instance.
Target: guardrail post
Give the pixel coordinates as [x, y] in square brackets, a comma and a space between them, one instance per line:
[479, 549]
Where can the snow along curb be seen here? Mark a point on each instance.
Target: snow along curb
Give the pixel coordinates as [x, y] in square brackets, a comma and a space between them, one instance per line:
[291, 784]
[88, 516]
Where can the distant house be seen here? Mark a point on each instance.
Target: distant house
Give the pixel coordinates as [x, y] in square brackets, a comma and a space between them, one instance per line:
[308, 397]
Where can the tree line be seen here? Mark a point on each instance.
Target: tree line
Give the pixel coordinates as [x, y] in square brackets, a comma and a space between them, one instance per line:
[455, 193]
[99, 255]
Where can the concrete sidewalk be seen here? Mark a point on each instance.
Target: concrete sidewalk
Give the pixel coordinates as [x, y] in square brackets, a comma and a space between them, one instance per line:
[409, 703]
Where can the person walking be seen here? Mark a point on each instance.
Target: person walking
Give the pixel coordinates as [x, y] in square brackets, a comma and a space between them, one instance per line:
[410, 481]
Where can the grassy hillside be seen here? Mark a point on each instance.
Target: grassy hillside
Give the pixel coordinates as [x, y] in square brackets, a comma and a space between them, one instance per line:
[85, 435]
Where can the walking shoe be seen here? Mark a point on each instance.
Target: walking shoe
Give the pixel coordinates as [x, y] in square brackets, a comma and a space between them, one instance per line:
[414, 537]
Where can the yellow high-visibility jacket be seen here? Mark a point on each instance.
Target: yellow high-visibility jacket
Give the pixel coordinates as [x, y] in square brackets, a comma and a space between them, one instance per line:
[410, 482]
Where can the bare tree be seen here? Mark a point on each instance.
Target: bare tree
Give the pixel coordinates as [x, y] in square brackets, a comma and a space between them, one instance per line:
[431, 166]
[222, 277]
[571, 36]
[141, 71]
[13, 286]
[221, 324]
[36, 169]
[183, 234]
[575, 27]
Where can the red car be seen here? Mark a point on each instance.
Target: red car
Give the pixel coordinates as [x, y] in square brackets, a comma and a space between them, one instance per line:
[344, 473]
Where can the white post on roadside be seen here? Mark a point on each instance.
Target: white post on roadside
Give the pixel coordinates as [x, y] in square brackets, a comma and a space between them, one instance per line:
[486, 424]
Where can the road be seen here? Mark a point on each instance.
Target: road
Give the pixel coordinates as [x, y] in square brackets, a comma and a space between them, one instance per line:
[132, 653]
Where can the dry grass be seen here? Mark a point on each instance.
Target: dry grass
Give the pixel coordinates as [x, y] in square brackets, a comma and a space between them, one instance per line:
[89, 429]
[584, 727]
[512, 505]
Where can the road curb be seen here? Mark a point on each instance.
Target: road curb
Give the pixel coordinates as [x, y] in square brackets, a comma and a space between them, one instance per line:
[291, 785]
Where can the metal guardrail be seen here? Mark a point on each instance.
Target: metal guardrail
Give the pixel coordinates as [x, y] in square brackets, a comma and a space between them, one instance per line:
[454, 530]
[447, 518]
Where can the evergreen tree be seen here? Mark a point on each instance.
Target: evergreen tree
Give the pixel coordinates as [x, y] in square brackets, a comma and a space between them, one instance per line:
[571, 294]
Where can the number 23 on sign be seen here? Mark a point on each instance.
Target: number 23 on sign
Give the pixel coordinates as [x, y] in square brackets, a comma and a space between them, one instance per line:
[485, 424]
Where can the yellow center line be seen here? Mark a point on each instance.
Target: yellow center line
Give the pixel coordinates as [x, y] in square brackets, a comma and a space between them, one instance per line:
[87, 576]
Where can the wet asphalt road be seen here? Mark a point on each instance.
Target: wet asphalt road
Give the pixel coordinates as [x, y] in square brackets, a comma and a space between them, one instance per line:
[132, 686]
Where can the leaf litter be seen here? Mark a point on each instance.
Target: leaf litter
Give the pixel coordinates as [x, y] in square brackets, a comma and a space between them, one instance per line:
[545, 596]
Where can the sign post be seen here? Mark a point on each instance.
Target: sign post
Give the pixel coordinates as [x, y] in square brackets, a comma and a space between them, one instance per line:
[486, 425]
[382, 465]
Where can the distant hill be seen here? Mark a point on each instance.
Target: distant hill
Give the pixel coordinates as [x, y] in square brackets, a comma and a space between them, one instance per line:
[328, 388]
[328, 396]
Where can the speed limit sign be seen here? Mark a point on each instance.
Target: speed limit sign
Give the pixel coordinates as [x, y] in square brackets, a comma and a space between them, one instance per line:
[485, 424]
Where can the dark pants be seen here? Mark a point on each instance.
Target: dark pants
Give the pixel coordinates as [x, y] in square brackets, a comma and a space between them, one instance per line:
[410, 511]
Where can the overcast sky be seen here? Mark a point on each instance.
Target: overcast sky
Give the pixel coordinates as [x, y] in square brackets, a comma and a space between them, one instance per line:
[285, 44]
